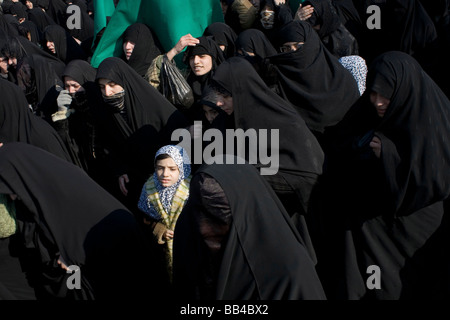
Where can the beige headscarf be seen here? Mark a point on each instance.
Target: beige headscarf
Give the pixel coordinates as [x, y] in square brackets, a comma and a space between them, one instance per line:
[7, 217]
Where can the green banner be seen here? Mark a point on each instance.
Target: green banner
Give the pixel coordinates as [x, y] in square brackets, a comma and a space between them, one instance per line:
[170, 19]
[102, 10]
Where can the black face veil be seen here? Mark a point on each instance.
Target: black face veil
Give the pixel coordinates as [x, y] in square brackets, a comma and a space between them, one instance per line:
[312, 79]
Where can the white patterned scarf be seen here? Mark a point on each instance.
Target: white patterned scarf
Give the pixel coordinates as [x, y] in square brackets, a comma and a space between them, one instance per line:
[358, 68]
[166, 194]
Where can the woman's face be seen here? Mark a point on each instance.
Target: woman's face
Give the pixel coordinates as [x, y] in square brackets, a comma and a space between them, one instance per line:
[4, 65]
[210, 113]
[128, 48]
[201, 64]
[51, 47]
[167, 172]
[291, 46]
[109, 87]
[224, 6]
[72, 86]
[380, 103]
[225, 102]
[12, 61]
[243, 53]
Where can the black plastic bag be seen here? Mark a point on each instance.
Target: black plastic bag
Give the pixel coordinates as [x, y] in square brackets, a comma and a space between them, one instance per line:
[174, 86]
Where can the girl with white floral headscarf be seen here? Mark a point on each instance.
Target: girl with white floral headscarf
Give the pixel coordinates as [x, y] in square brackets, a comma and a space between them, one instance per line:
[164, 194]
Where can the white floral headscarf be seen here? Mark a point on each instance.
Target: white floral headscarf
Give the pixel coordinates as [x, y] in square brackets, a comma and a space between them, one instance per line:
[358, 68]
[166, 194]
[179, 156]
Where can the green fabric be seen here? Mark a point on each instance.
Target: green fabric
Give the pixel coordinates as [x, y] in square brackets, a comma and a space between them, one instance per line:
[294, 5]
[7, 217]
[170, 19]
[102, 9]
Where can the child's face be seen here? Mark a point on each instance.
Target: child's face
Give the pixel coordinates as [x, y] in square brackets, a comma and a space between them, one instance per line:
[210, 113]
[167, 172]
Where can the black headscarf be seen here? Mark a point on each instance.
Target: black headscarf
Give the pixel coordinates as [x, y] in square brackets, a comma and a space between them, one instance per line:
[81, 71]
[412, 28]
[5, 5]
[30, 27]
[282, 16]
[405, 26]
[74, 218]
[40, 18]
[34, 2]
[349, 16]
[78, 131]
[414, 132]
[231, 227]
[147, 47]
[9, 24]
[338, 40]
[67, 49]
[57, 11]
[86, 30]
[255, 41]
[19, 124]
[256, 107]
[208, 46]
[405, 230]
[81, 3]
[324, 15]
[19, 10]
[44, 4]
[151, 121]
[38, 77]
[224, 35]
[20, 47]
[438, 11]
[4, 53]
[144, 105]
[312, 79]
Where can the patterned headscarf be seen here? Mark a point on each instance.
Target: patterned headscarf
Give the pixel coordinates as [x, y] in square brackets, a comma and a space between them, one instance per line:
[179, 156]
[7, 216]
[358, 68]
[166, 194]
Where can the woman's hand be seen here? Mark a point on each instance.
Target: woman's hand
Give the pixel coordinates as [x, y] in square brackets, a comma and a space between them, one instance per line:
[375, 144]
[304, 13]
[62, 265]
[168, 234]
[186, 40]
[123, 179]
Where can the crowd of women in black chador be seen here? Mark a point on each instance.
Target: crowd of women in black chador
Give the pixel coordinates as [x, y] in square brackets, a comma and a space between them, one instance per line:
[362, 178]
